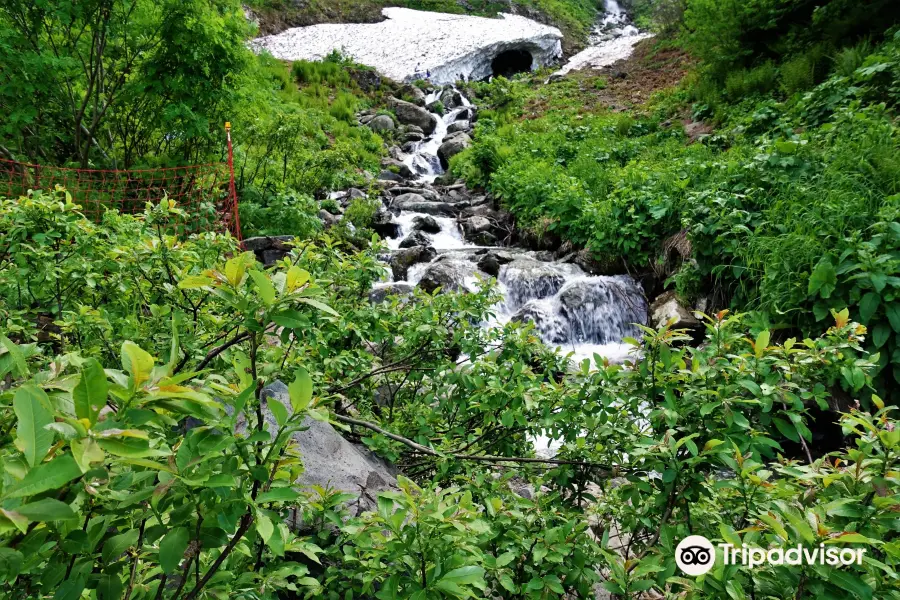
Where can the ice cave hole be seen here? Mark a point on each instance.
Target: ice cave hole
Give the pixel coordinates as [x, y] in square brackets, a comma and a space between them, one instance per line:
[510, 62]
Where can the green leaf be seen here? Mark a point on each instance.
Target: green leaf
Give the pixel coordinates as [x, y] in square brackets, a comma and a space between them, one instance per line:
[264, 527]
[281, 494]
[751, 386]
[787, 429]
[880, 334]
[137, 362]
[301, 390]
[90, 394]
[46, 509]
[30, 404]
[48, 476]
[265, 287]
[893, 315]
[762, 342]
[70, 589]
[115, 546]
[11, 562]
[867, 306]
[319, 305]
[172, 547]
[823, 279]
[279, 411]
[110, 587]
[851, 583]
[17, 356]
[464, 575]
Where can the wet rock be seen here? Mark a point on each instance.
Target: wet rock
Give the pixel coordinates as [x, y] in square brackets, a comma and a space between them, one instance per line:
[383, 224]
[416, 203]
[416, 238]
[403, 259]
[428, 224]
[398, 167]
[548, 321]
[594, 264]
[381, 292]
[329, 460]
[411, 138]
[425, 193]
[389, 176]
[456, 144]
[410, 114]
[466, 115]
[415, 95]
[666, 307]
[528, 279]
[381, 123]
[475, 225]
[458, 126]
[444, 275]
[601, 310]
[490, 265]
[451, 99]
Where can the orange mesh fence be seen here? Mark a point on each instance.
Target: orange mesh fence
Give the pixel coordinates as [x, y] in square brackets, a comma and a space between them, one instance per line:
[204, 192]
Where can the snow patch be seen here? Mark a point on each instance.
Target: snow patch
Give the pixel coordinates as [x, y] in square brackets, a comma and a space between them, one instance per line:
[410, 42]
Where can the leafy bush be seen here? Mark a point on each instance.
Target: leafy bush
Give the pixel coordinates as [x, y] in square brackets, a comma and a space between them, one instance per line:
[285, 213]
[361, 211]
[743, 83]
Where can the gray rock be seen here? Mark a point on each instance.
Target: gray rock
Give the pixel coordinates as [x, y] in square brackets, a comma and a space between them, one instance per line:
[410, 114]
[258, 244]
[476, 224]
[403, 259]
[381, 123]
[416, 203]
[451, 99]
[427, 224]
[402, 169]
[426, 193]
[354, 193]
[327, 218]
[416, 238]
[411, 138]
[380, 293]
[458, 126]
[490, 265]
[389, 176]
[329, 460]
[485, 238]
[666, 307]
[456, 144]
[383, 224]
[442, 275]
[415, 94]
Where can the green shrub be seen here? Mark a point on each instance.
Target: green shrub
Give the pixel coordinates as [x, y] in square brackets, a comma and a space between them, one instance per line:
[361, 212]
[798, 74]
[849, 59]
[282, 213]
[743, 83]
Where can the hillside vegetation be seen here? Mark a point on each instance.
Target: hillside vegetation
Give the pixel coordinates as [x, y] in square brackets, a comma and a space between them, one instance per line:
[155, 387]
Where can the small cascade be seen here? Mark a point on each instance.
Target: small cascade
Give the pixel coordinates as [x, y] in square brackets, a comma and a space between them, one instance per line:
[612, 39]
[423, 160]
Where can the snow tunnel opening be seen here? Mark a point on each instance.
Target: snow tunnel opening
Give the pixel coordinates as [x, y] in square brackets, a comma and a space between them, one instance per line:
[512, 62]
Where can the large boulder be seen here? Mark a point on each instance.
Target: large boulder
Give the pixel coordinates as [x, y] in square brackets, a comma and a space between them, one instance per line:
[397, 166]
[383, 224]
[416, 95]
[381, 123]
[410, 114]
[457, 126]
[381, 292]
[425, 193]
[475, 225]
[416, 203]
[667, 307]
[428, 224]
[453, 146]
[451, 99]
[329, 460]
[528, 279]
[442, 274]
[416, 238]
[328, 219]
[403, 259]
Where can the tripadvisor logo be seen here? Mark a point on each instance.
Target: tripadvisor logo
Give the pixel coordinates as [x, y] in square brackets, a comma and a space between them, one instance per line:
[695, 555]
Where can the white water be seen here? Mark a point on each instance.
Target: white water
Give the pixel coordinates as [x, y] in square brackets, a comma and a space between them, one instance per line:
[424, 160]
[612, 39]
